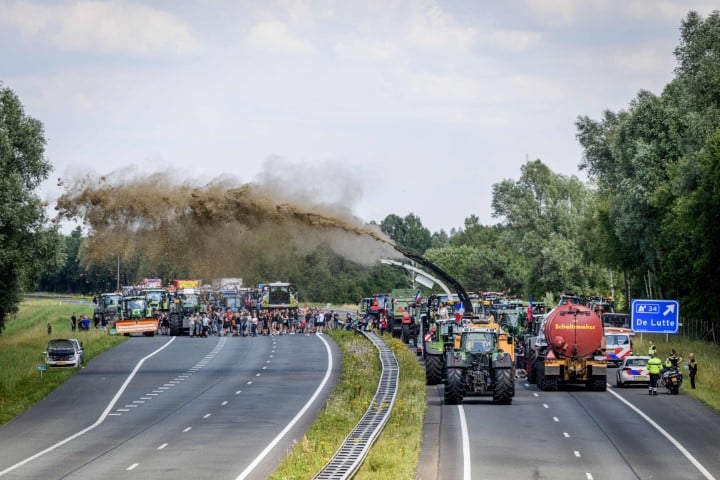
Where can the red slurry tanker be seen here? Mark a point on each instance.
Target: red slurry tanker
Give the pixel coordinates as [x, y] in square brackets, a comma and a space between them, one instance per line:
[569, 348]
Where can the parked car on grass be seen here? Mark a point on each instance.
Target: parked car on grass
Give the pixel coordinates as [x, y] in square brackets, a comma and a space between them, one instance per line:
[633, 371]
[62, 352]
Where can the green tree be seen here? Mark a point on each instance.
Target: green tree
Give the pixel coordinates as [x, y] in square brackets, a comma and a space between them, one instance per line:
[27, 245]
[542, 213]
[407, 232]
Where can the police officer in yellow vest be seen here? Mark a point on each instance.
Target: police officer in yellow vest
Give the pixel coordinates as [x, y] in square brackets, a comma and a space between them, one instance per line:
[654, 366]
[652, 350]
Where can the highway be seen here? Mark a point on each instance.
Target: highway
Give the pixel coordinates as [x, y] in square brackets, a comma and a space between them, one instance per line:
[175, 407]
[623, 433]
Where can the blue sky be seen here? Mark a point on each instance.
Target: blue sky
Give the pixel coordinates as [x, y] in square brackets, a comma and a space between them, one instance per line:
[382, 106]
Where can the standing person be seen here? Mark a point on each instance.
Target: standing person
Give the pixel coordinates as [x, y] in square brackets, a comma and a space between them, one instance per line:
[73, 322]
[383, 324]
[443, 312]
[692, 367]
[320, 322]
[652, 349]
[520, 359]
[164, 323]
[654, 366]
[673, 360]
[49, 328]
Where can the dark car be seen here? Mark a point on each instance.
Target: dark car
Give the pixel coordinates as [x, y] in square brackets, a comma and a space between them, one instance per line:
[62, 352]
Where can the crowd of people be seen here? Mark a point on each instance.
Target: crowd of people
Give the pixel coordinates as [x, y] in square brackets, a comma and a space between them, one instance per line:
[283, 321]
[656, 366]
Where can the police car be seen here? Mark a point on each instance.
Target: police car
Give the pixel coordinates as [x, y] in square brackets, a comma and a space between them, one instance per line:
[633, 370]
[618, 344]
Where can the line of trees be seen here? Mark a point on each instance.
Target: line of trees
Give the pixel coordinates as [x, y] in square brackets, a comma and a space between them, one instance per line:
[646, 226]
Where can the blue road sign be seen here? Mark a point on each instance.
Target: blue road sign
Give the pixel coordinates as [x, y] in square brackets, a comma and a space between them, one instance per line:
[655, 316]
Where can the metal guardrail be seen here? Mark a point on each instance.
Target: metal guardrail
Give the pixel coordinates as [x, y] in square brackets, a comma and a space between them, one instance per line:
[354, 449]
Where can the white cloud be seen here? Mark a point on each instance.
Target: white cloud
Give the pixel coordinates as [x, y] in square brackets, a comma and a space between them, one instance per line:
[103, 26]
[433, 29]
[374, 50]
[514, 40]
[273, 36]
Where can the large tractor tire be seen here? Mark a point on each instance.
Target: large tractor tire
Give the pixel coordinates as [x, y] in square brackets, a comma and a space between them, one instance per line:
[504, 386]
[175, 324]
[433, 369]
[454, 390]
[405, 333]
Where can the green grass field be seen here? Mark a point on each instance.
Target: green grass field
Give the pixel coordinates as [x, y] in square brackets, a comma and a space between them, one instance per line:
[21, 348]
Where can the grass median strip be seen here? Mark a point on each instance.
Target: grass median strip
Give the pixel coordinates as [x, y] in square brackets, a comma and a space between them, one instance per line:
[397, 450]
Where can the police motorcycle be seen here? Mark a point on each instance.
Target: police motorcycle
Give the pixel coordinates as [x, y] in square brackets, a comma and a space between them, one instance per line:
[671, 378]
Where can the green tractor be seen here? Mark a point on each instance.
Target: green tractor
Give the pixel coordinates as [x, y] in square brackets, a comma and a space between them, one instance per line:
[439, 339]
[477, 365]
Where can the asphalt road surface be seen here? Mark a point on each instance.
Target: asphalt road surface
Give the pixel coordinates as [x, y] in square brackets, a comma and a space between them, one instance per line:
[623, 433]
[175, 407]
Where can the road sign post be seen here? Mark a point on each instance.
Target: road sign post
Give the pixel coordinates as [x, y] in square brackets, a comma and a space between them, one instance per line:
[41, 367]
[655, 316]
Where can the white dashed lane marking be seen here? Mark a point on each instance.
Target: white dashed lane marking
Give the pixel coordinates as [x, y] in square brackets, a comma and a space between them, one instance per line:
[162, 446]
[131, 467]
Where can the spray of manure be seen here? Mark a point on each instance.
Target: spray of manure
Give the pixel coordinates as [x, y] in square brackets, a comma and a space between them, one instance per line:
[220, 229]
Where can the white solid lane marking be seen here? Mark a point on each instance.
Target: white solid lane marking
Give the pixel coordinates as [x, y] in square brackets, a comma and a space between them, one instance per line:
[577, 454]
[162, 446]
[187, 429]
[665, 434]
[100, 419]
[131, 467]
[295, 419]
[467, 470]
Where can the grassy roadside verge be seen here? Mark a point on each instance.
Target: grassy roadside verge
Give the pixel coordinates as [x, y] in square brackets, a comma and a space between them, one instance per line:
[706, 354]
[22, 343]
[395, 453]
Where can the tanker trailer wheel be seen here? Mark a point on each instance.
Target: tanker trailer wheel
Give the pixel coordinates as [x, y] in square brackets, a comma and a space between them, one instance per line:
[175, 324]
[546, 384]
[504, 386]
[433, 369]
[405, 333]
[453, 386]
[598, 384]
